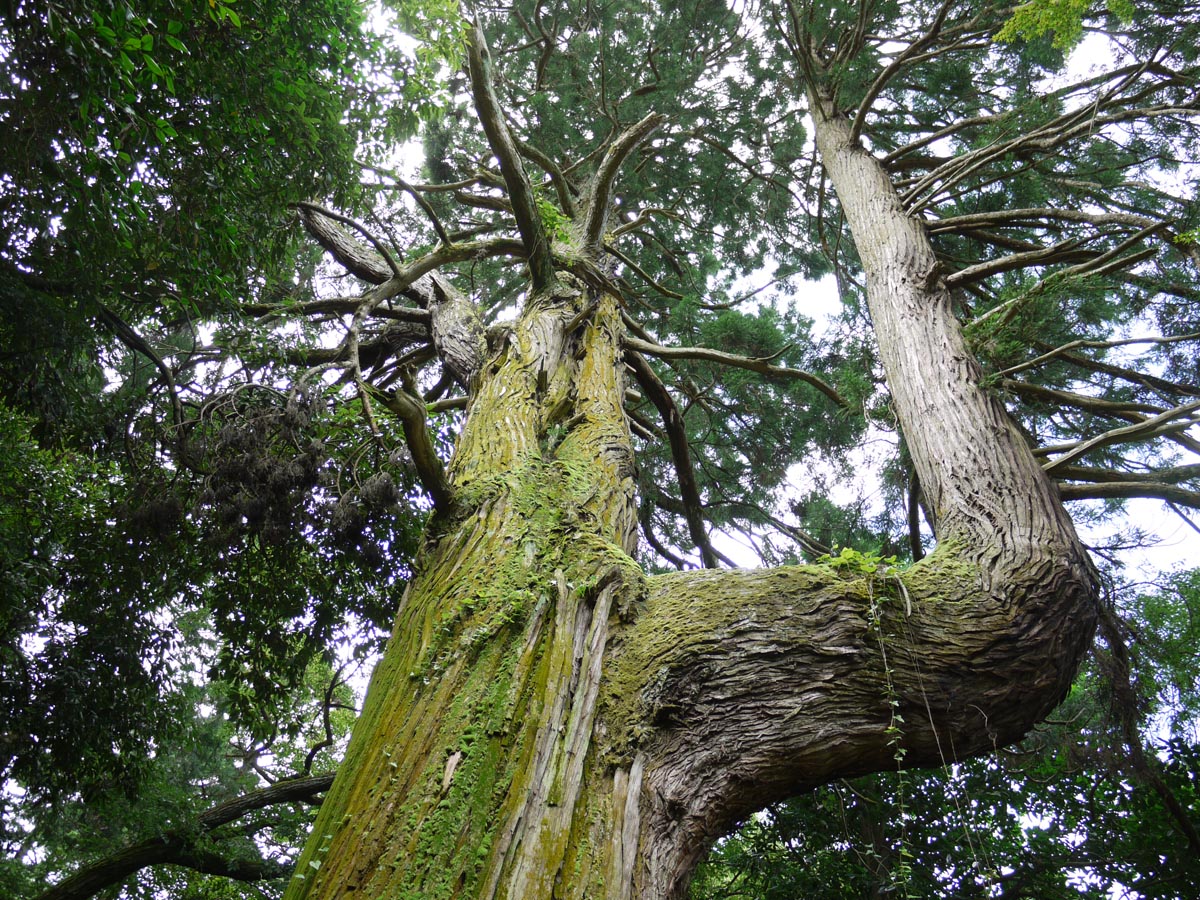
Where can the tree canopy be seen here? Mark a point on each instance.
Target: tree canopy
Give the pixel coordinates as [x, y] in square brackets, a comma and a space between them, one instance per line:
[235, 368]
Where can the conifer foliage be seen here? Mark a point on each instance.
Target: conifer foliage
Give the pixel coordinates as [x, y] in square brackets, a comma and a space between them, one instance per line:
[269, 393]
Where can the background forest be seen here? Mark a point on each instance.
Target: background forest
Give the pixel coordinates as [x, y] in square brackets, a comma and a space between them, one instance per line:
[209, 508]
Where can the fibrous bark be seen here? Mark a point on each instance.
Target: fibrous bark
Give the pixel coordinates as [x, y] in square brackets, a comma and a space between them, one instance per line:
[547, 721]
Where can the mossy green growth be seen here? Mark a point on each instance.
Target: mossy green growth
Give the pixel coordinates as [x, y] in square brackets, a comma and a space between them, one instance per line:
[686, 614]
[449, 821]
[946, 574]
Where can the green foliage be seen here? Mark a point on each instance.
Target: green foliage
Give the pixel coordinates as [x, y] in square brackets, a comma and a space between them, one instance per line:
[1062, 18]
[557, 225]
[208, 762]
[1169, 633]
[169, 584]
[179, 563]
[856, 562]
[175, 126]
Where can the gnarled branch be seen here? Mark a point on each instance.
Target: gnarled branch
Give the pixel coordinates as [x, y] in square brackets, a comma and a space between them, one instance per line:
[411, 412]
[600, 195]
[520, 191]
[183, 846]
[308, 210]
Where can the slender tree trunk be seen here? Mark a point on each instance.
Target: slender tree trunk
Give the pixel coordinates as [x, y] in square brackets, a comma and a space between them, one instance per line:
[547, 722]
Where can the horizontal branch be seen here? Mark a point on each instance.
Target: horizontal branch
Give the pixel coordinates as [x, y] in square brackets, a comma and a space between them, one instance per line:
[185, 846]
[1149, 428]
[1065, 349]
[337, 306]
[1128, 490]
[1063, 251]
[759, 365]
[1035, 216]
[1097, 475]
[1098, 405]
[370, 353]
[760, 684]
[367, 264]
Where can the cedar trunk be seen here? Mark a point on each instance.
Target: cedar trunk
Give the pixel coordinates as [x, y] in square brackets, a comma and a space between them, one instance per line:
[548, 722]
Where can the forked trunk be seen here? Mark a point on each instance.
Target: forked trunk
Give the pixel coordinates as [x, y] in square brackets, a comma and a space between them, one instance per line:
[548, 723]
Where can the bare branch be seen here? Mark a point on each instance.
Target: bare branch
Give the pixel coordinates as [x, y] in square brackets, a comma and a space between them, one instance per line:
[307, 209]
[896, 65]
[1042, 256]
[761, 366]
[1152, 427]
[1169, 388]
[645, 518]
[562, 187]
[1081, 401]
[643, 274]
[428, 209]
[1179, 512]
[134, 341]
[411, 412]
[371, 353]
[1129, 412]
[520, 191]
[600, 195]
[1034, 216]
[1096, 475]
[1065, 349]
[658, 394]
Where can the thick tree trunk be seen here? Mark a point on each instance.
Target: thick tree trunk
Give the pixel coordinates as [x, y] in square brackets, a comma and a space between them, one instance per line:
[475, 769]
[548, 723]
